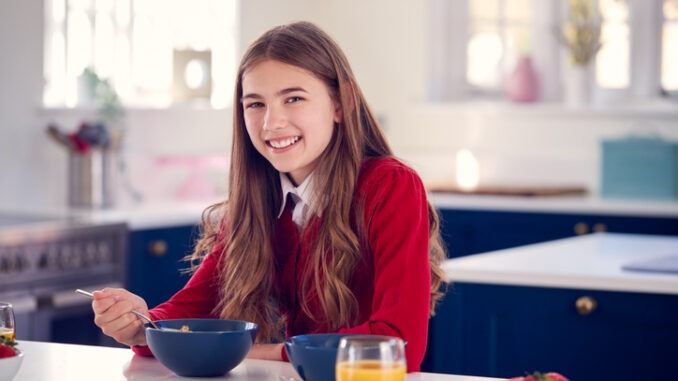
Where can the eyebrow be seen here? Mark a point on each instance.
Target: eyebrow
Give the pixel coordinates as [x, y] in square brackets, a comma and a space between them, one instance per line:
[279, 93]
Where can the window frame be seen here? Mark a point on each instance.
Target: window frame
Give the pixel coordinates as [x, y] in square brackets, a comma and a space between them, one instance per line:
[448, 31]
[62, 87]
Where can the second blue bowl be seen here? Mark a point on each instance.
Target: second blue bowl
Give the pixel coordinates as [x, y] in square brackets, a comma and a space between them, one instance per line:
[314, 355]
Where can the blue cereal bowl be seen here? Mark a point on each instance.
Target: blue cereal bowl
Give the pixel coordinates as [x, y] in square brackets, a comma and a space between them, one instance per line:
[314, 355]
[211, 347]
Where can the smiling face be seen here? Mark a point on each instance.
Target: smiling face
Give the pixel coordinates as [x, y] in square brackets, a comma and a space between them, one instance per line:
[289, 115]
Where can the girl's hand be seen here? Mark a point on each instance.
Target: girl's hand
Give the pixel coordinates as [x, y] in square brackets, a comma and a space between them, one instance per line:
[112, 313]
[266, 352]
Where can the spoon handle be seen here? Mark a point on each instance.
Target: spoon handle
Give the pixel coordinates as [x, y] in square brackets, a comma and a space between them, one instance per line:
[146, 318]
[83, 292]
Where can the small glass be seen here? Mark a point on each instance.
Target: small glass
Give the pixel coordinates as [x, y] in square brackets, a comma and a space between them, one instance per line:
[7, 321]
[371, 358]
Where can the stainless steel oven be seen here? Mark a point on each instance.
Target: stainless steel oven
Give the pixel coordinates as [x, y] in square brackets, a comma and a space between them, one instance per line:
[43, 259]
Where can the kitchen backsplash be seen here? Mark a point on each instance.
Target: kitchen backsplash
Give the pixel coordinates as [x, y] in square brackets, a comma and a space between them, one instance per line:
[166, 152]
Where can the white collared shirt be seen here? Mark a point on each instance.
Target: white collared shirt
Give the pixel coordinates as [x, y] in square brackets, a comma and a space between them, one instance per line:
[303, 197]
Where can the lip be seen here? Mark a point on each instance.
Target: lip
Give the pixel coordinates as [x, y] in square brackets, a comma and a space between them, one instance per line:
[283, 149]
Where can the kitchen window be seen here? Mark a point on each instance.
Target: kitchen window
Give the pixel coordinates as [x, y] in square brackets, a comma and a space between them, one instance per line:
[154, 53]
[475, 43]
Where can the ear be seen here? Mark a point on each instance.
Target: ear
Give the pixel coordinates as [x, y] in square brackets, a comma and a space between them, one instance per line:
[338, 112]
[346, 93]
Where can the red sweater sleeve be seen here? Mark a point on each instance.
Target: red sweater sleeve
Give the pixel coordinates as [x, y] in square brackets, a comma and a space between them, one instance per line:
[196, 299]
[397, 221]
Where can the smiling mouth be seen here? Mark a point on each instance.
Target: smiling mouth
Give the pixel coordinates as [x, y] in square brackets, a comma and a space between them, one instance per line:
[283, 143]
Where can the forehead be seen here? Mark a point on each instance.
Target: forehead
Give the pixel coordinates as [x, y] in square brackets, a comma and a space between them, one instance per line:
[277, 75]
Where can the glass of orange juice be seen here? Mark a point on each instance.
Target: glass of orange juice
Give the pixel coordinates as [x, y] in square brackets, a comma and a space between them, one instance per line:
[371, 358]
[7, 321]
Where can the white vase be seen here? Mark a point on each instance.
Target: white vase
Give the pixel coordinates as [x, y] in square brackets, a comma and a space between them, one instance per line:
[578, 85]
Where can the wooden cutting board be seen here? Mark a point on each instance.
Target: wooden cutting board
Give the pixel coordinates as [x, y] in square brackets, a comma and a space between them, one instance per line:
[526, 191]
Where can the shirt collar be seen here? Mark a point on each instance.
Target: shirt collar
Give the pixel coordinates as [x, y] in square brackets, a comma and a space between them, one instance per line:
[304, 191]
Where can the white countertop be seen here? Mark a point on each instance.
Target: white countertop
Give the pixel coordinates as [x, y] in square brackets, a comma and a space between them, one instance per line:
[167, 213]
[585, 262]
[67, 362]
[557, 204]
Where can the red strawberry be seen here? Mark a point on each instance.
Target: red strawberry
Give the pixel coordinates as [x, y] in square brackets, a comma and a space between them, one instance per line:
[7, 347]
[538, 376]
[6, 351]
[553, 376]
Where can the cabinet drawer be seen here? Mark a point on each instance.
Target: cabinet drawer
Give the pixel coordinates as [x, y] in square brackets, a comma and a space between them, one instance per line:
[505, 331]
[155, 261]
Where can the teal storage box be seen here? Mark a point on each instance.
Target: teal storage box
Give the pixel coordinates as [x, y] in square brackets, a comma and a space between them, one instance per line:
[639, 167]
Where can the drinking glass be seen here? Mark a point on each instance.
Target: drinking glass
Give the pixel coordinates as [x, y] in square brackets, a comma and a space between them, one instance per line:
[7, 321]
[371, 358]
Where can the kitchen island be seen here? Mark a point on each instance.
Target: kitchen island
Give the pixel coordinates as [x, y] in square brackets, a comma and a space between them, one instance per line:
[567, 305]
[69, 362]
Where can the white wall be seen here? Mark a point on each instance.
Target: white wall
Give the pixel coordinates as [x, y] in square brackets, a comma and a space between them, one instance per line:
[386, 43]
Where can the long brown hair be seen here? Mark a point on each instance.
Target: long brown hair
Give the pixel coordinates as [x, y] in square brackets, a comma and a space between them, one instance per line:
[241, 224]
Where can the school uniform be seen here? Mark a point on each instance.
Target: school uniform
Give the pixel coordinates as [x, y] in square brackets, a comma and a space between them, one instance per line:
[391, 284]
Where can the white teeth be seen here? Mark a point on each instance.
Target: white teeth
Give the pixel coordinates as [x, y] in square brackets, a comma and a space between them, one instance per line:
[284, 143]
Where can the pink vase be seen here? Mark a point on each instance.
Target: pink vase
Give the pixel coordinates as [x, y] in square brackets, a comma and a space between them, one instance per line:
[523, 83]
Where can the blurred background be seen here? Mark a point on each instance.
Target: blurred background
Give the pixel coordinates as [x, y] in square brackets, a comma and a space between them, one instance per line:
[472, 93]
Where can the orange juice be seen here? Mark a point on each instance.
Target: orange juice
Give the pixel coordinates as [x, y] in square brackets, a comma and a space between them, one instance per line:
[368, 370]
[8, 333]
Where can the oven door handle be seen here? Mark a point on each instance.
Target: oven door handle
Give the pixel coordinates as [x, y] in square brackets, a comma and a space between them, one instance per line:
[63, 299]
[24, 304]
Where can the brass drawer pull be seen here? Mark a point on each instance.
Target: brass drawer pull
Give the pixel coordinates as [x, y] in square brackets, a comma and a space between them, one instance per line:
[581, 228]
[157, 248]
[600, 228]
[586, 305]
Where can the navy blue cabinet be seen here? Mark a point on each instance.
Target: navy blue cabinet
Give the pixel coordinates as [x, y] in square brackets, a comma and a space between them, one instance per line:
[505, 331]
[476, 231]
[587, 335]
[155, 261]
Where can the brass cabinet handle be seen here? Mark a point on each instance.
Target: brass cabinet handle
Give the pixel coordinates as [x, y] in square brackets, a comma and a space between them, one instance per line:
[600, 228]
[586, 305]
[157, 248]
[581, 228]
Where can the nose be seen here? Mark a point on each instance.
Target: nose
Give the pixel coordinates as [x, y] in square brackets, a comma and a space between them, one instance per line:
[274, 118]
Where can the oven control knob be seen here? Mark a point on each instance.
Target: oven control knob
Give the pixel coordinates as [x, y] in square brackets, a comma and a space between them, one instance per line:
[12, 263]
[22, 263]
[4, 265]
[42, 261]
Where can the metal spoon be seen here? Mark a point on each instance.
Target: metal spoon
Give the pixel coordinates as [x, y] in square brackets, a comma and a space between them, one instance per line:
[156, 326]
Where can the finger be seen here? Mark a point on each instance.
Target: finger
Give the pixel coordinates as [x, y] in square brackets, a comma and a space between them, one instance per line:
[125, 330]
[108, 292]
[117, 324]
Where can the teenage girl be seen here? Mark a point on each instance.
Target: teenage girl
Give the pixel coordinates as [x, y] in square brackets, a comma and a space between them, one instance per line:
[323, 229]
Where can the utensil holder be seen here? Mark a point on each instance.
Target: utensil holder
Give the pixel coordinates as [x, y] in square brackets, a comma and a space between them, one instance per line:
[92, 178]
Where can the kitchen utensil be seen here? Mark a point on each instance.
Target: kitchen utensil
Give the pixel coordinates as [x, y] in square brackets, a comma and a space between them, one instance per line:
[59, 136]
[156, 326]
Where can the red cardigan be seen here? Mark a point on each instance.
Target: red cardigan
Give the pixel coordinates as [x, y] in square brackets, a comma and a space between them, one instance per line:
[392, 286]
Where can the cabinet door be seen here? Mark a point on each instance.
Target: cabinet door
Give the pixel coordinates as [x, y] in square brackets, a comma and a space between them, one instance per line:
[155, 261]
[505, 331]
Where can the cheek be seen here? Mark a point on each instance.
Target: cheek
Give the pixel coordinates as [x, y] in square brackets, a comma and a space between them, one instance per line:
[252, 127]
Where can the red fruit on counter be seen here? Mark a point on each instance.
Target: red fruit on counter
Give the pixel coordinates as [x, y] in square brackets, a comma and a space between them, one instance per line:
[553, 376]
[6, 351]
[538, 376]
[7, 347]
